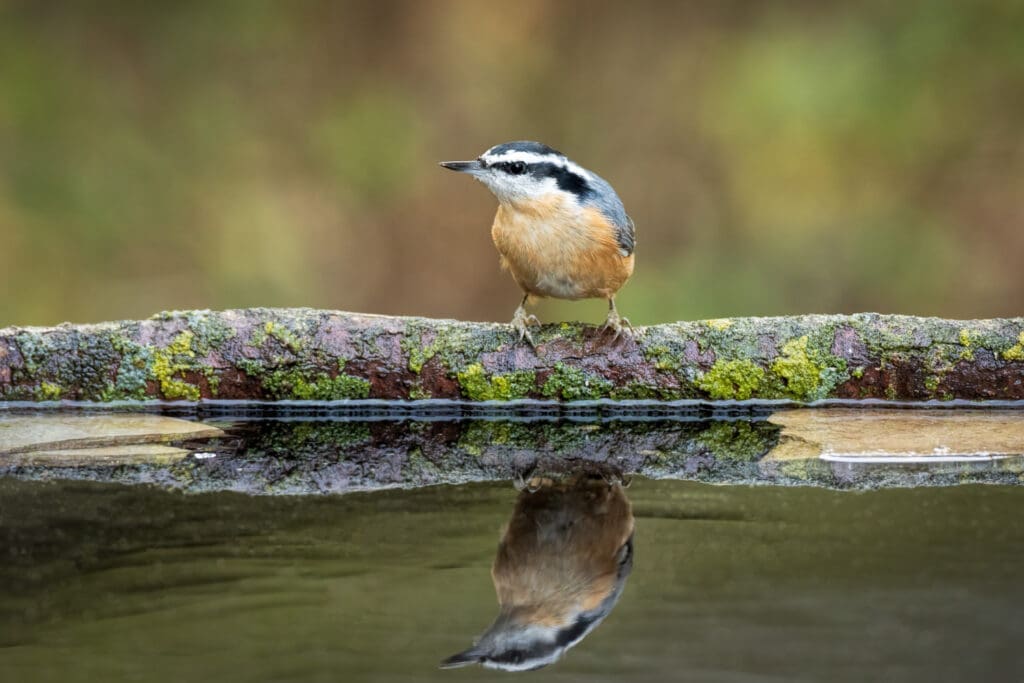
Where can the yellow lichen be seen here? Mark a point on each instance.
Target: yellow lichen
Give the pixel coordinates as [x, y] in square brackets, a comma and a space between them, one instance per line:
[283, 335]
[1015, 352]
[169, 361]
[573, 384]
[967, 340]
[801, 374]
[478, 386]
[49, 392]
[732, 379]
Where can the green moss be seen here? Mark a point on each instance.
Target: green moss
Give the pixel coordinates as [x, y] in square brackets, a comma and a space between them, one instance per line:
[662, 358]
[53, 358]
[320, 439]
[732, 379]
[210, 331]
[418, 357]
[573, 331]
[931, 383]
[418, 352]
[418, 393]
[49, 392]
[477, 386]
[807, 373]
[477, 435]
[737, 441]
[212, 379]
[133, 370]
[175, 359]
[419, 465]
[637, 391]
[572, 384]
[33, 351]
[967, 340]
[1015, 352]
[806, 469]
[282, 334]
[250, 366]
[303, 384]
[554, 437]
[259, 337]
[457, 345]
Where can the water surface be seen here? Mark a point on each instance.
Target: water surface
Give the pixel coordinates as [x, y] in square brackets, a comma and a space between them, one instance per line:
[730, 583]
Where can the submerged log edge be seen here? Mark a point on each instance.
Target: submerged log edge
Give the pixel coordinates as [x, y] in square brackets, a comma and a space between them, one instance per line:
[305, 354]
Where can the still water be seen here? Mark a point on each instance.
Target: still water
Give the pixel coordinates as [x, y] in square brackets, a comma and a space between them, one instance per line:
[106, 582]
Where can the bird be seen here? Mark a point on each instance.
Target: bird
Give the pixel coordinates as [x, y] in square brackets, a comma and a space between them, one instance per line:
[560, 230]
[561, 566]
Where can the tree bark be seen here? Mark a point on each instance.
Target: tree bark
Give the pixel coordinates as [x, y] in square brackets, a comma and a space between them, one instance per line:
[303, 354]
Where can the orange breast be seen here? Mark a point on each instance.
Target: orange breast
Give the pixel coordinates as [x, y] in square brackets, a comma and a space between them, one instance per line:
[553, 247]
[548, 571]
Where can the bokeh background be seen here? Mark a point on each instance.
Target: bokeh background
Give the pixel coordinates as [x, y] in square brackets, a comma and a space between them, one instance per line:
[777, 157]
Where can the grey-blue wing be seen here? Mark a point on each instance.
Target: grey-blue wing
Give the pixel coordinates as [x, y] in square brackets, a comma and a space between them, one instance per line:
[605, 199]
[627, 236]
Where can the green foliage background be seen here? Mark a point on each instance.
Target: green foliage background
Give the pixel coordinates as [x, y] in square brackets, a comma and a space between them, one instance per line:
[777, 157]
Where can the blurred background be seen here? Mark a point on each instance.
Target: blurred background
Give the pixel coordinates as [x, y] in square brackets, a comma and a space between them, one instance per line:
[777, 157]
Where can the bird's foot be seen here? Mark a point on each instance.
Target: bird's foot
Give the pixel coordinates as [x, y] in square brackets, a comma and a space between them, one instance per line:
[613, 479]
[521, 322]
[530, 483]
[617, 324]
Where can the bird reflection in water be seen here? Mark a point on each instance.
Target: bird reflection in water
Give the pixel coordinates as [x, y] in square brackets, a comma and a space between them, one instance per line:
[561, 566]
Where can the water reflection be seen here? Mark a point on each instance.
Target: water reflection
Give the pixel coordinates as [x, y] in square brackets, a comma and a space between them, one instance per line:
[561, 566]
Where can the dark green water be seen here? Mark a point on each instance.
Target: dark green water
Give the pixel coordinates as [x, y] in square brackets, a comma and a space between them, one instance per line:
[101, 582]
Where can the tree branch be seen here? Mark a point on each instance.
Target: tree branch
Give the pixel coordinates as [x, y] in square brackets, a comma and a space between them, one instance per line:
[303, 354]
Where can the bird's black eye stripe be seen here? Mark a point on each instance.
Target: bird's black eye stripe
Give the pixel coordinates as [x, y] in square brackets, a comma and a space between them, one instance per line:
[567, 180]
[512, 167]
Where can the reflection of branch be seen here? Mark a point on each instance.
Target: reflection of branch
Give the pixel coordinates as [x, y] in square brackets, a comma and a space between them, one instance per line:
[303, 354]
[286, 456]
[295, 456]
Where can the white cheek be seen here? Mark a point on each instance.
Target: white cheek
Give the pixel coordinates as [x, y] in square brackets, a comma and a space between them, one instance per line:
[517, 188]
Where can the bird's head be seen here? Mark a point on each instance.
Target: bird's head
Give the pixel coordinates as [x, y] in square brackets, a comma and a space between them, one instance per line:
[523, 171]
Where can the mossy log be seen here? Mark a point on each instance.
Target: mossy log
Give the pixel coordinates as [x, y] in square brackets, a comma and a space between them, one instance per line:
[303, 354]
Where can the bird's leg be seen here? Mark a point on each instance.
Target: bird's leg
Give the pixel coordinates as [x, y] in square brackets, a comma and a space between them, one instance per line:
[530, 481]
[616, 322]
[521, 320]
[617, 478]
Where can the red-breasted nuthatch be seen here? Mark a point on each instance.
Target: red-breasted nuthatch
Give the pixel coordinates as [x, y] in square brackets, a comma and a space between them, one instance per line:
[560, 229]
[561, 566]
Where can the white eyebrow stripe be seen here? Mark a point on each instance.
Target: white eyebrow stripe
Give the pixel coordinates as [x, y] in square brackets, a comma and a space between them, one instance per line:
[526, 157]
[534, 158]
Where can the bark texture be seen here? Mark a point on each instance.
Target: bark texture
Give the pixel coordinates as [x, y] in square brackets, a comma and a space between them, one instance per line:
[303, 354]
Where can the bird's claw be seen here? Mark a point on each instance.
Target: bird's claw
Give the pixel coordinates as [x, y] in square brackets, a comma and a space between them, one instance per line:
[521, 322]
[618, 480]
[531, 485]
[617, 324]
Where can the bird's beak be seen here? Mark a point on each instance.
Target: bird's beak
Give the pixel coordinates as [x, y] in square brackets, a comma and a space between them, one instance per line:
[464, 166]
[461, 659]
